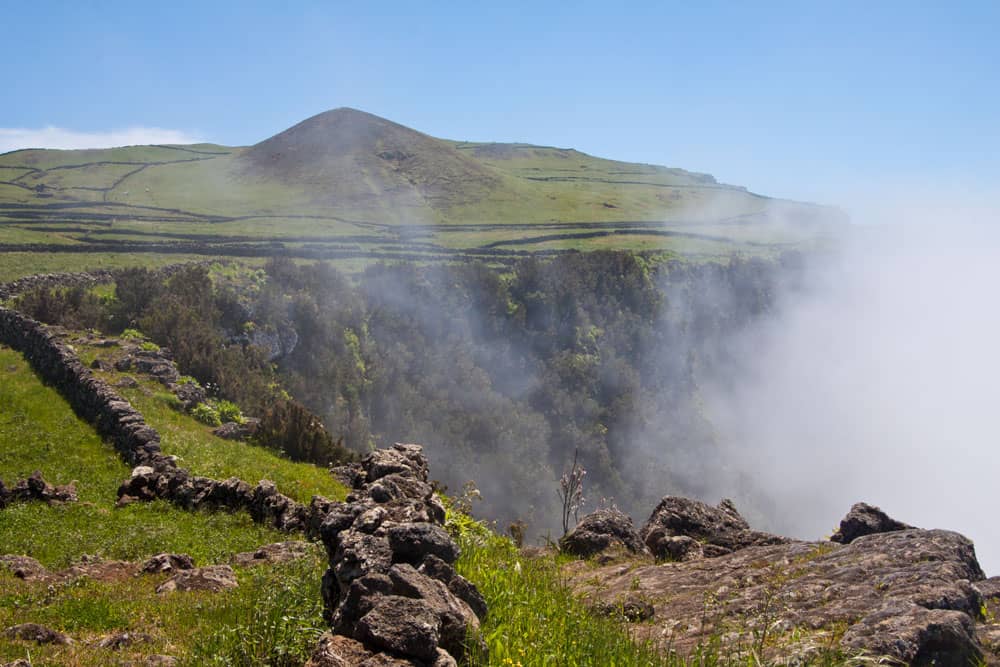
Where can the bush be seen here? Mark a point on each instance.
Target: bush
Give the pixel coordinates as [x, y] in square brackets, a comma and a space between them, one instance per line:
[294, 430]
[229, 412]
[206, 414]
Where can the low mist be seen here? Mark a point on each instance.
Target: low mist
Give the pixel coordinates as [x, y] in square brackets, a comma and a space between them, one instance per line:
[876, 381]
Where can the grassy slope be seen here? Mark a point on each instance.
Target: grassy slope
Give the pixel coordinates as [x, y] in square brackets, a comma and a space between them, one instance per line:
[39, 432]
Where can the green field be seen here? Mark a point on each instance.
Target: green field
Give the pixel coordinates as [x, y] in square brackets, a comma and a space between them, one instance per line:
[345, 185]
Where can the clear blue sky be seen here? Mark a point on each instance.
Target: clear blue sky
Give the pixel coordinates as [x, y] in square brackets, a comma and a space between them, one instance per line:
[807, 100]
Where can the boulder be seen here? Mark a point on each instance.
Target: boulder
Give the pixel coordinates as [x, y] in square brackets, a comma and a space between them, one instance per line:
[721, 527]
[403, 626]
[23, 567]
[167, 563]
[411, 542]
[236, 431]
[865, 519]
[211, 578]
[600, 530]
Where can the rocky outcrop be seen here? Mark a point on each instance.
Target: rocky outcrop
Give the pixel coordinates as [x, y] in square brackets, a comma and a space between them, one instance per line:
[601, 530]
[911, 596]
[865, 519]
[719, 530]
[391, 593]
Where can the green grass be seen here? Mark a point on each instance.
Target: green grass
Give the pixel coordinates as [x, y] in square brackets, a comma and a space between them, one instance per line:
[40, 432]
[204, 454]
[535, 621]
[272, 618]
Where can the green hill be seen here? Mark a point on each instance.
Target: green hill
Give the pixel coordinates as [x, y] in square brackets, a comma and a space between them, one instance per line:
[349, 185]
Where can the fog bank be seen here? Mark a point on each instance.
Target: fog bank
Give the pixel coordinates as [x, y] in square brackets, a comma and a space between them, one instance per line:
[878, 382]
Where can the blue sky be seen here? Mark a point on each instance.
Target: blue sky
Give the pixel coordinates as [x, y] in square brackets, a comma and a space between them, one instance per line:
[818, 101]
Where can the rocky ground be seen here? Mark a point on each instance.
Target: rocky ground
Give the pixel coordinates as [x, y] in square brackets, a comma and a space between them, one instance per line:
[695, 575]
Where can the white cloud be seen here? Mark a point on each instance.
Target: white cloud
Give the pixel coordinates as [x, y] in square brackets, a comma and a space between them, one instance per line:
[57, 137]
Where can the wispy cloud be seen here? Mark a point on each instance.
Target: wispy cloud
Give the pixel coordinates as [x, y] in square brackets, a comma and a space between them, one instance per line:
[58, 137]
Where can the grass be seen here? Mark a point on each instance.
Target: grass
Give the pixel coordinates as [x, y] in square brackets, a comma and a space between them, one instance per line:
[204, 454]
[535, 621]
[272, 618]
[40, 432]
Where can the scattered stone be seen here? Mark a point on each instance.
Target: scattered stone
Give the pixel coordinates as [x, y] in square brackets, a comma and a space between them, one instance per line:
[160, 661]
[632, 609]
[210, 578]
[33, 632]
[865, 519]
[236, 431]
[279, 552]
[127, 382]
[598, 531]
[24, 567]
[120, 640]
[167, 563]
[36, 488]
[338, 651]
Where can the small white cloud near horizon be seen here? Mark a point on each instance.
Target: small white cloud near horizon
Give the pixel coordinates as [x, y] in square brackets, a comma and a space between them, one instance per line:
[12, 139]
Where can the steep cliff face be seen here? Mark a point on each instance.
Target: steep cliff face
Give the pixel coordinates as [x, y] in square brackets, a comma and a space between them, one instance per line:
[891, 591]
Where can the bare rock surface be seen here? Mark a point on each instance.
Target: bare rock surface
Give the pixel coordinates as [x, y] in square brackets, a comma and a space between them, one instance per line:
[865, 519]
[599, 531]
[211, 578]
[909, 595]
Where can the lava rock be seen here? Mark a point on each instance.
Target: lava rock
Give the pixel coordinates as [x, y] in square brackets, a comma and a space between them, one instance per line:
[598, 531]
[865, 519]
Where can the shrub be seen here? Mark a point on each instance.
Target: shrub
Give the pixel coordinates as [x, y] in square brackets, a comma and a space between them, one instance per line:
[132, 334]
[206, 414]
[149, 346]
[229, 412]
[291, 428]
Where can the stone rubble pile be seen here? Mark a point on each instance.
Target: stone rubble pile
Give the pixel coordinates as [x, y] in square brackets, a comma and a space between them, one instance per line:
[36, 488]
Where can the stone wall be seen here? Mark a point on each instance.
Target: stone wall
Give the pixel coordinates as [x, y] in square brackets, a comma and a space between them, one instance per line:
[90, 397]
